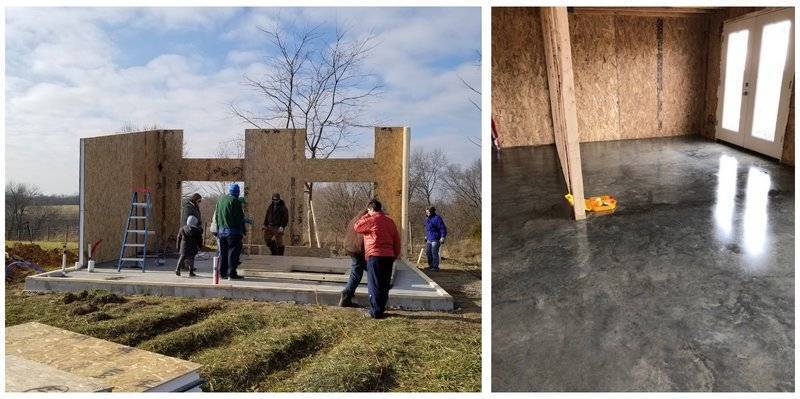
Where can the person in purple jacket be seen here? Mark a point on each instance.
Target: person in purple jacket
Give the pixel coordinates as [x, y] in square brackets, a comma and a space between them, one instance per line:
[435, 232]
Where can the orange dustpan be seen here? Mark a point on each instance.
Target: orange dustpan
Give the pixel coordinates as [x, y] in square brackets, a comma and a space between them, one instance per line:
[603, 203]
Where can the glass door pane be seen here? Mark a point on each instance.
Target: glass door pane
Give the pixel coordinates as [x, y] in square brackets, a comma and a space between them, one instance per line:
[771, 64]
[735, 61]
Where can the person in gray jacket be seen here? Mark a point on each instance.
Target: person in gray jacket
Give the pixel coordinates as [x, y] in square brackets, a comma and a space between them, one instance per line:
[191, 207]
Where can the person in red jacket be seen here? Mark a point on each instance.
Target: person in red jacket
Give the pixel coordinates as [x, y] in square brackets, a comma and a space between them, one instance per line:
[381, 248]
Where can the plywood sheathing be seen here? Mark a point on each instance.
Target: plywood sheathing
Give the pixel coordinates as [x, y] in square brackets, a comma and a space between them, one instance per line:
[126, 369]
[788, 139]
[520, 100]
[616, 69]
[558, 55]
[274, 162]
[200, 169]
[596, 74]
[714, 58]
[684, 75]
[117, 164]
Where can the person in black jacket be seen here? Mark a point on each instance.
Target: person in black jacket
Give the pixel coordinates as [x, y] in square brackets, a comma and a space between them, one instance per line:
[190, 241]
[275, 222]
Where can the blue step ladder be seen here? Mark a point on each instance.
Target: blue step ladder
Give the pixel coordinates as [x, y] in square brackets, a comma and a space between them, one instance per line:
[136, 227]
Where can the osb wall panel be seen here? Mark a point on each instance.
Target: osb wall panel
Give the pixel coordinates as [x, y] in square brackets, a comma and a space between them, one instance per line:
[274, 163]
[200, 169]
[596, 76]
[636, 57]
[788, 139]
[520, 98]
[115, 166]
[125, 368]
[340, 170]
[684, 58]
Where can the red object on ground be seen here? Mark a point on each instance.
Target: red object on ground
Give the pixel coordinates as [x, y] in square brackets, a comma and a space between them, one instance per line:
[495, 136]
[215, 265]
[380, 235]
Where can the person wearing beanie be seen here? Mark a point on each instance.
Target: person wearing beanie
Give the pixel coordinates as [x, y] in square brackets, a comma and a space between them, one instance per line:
[191, 207]
[190, 241]
[435, 232]
[275, 221]
[229, 217]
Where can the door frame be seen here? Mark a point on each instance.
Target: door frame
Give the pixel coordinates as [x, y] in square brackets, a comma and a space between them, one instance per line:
[744, 136]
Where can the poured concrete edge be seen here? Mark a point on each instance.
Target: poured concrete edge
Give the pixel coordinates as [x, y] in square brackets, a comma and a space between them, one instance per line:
[308, 294]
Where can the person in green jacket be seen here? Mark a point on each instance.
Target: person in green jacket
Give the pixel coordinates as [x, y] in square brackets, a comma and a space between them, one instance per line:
[229, 216]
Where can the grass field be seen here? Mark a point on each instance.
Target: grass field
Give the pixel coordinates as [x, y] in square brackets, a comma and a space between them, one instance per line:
[46, 245]
[261, 346]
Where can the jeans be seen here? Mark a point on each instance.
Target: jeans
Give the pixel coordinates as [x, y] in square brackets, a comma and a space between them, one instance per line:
[356, 272]
[230, 248]
[379, 276]
[432, 249]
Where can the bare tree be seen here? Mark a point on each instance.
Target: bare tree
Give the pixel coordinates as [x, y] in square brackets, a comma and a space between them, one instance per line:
[19, 199]
[340, 203]
[316, 82]
[425, 170]
[476, 102]
[465, 184]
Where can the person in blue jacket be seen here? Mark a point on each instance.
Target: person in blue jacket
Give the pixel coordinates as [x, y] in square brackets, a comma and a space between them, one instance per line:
[435, 232]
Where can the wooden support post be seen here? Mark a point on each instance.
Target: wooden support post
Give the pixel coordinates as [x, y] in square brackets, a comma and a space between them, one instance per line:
[561, 83]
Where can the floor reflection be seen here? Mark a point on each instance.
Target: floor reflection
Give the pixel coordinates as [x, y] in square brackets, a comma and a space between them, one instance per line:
[726, 195]
[755, 211]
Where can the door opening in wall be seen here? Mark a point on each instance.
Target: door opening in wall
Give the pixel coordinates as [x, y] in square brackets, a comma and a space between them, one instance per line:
[757, 77]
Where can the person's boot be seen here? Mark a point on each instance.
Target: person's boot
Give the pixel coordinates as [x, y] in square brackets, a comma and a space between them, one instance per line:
[345, 301]
[280, 250]
[191, 273]
[177, 272]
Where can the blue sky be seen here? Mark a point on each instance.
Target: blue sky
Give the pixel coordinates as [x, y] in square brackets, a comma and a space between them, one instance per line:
[81, 72]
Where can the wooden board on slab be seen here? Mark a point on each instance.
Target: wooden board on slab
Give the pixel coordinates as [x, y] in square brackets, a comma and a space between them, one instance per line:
[124, 368]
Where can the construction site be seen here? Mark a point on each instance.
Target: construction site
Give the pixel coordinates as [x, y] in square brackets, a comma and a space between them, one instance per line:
[643, 199]
[276, 322]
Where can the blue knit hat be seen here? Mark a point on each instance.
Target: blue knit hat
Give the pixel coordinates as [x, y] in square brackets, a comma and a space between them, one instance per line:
[233, 190]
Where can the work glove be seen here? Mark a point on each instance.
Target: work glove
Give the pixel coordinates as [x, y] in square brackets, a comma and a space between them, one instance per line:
[280, 229]
[441, 240]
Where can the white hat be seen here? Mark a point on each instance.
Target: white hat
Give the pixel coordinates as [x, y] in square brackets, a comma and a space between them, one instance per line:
[192, 221]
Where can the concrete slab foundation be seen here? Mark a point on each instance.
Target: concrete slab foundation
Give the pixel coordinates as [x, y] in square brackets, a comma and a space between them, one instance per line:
[411, 288]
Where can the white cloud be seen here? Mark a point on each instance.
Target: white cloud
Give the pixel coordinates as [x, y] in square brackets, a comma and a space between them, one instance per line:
[63, 84]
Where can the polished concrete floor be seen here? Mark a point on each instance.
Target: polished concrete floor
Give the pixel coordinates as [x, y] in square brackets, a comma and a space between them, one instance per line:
[688, 286]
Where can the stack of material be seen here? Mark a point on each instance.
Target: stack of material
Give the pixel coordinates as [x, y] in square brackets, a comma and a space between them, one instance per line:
[44, 358]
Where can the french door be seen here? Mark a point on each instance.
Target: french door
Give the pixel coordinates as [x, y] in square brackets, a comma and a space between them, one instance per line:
[757, 72]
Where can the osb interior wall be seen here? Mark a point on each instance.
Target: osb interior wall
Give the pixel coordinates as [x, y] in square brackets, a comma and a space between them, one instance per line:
[635, 77]
[713, 71]
[274, 162]
[520, 99]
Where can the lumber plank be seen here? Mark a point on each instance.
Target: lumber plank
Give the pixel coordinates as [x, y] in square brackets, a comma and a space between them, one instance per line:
[561, 85]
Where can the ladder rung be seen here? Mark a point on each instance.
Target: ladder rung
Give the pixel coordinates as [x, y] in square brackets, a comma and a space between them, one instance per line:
[134, 245]
[141, 231]
[139, 204]
[132, 259]
[138, 217]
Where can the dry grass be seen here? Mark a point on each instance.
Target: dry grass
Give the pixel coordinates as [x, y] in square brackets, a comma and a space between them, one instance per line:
[262, 346]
